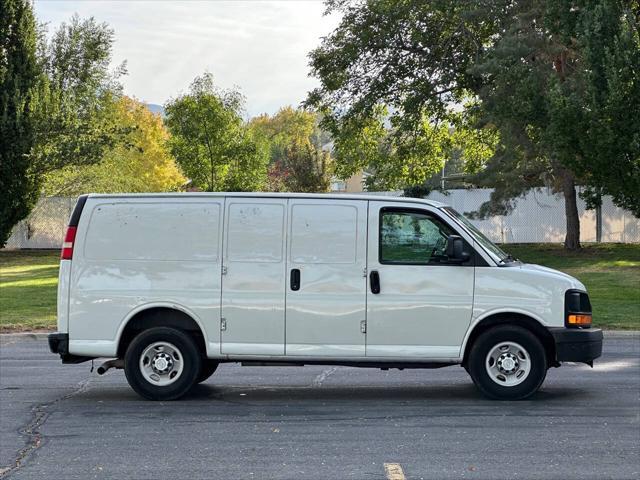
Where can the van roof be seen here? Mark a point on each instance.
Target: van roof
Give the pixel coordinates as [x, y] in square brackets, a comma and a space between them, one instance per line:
[326, 196]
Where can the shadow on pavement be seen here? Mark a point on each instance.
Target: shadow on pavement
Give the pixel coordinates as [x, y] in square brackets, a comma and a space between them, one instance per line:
[428, 395]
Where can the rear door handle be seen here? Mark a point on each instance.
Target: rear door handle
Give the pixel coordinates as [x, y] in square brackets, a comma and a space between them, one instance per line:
[295, 279]
[374, 281]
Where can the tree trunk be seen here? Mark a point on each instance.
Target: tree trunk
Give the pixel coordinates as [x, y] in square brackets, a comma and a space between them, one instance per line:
[572, 238]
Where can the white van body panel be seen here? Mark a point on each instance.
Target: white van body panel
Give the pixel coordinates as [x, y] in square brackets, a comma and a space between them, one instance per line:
[230, 256]
[132, 252]
[530, 290]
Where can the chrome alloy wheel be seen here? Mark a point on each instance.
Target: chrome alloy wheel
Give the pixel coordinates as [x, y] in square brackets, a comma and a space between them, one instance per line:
[508, 364]
[161, 363]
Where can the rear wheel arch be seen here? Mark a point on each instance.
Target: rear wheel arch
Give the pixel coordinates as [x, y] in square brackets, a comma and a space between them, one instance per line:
[517, 319]
[161, 317]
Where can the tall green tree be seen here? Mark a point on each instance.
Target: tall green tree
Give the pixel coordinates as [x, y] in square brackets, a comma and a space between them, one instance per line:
[210, 141]
[390, 74]
[300, 160]
[59, 95]
[559, 84]
[141, 163]
[538, 86]
[19, 76]
[78, 97]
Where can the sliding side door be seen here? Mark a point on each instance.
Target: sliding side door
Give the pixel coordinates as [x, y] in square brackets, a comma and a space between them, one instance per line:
[326, 279]
[253, 276]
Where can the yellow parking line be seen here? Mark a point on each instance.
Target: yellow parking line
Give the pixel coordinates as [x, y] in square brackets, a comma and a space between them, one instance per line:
[394, 471]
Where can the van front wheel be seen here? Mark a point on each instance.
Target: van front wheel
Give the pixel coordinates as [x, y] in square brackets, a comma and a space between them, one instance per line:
[162, 363]
[507, 363]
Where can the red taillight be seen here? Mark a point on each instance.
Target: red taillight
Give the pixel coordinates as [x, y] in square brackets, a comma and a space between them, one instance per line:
[67, 246]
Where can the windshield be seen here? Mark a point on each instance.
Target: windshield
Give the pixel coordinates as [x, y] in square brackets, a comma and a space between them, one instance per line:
[480, 237]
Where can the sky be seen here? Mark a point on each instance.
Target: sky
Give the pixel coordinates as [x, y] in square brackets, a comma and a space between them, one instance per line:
[258, 46]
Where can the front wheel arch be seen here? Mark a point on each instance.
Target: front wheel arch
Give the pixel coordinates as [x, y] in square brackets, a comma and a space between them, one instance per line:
[516, 319]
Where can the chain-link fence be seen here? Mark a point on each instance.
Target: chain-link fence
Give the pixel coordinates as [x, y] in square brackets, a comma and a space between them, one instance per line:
[45, 226]
[538, 217]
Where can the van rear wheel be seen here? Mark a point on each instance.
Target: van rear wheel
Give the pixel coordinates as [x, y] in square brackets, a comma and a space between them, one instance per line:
[162, 363]
[507, 363]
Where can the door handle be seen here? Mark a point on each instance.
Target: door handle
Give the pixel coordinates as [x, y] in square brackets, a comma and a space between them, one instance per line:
[295, 279]
[374, 281]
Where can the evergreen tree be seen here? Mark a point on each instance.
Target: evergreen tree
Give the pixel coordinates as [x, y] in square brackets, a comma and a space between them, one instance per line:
[56, 103]
[560, 84]
[19, 73]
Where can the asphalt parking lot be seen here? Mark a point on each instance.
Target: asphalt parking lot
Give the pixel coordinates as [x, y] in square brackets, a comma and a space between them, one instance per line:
[318, 423]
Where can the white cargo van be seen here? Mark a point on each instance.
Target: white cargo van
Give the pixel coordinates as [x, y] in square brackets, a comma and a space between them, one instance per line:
[169, 286]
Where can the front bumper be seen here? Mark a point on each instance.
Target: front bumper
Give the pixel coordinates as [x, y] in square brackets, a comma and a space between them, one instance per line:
[59, 343]
[577, 345]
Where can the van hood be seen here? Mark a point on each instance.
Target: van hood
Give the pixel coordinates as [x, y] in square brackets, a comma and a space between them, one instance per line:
[553, 274]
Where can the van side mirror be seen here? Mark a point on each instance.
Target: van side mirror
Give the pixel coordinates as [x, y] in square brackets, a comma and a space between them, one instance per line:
[455, 250]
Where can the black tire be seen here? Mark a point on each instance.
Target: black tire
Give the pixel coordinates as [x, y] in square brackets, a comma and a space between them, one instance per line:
[208, 368]
[187, 353]
[478, 364]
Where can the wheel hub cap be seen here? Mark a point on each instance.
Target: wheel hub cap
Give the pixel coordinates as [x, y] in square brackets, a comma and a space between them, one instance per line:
[508, 363]
[162, 363]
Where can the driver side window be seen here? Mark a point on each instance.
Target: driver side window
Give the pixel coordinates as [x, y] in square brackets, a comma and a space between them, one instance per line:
[412, 238]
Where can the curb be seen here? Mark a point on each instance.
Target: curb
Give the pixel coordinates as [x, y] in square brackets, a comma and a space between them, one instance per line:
[621, 333]
[24, 336]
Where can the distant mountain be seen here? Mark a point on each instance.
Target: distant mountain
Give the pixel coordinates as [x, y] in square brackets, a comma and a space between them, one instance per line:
[156, 108]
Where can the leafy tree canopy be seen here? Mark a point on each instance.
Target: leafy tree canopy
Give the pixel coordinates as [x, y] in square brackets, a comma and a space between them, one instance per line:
[140, 163]
[560, 84]
[390, 75]
[287, 126]
[77, 97]
[304, 168]
[210, 141]
[538, 87]
[300, 160]
[58, 96]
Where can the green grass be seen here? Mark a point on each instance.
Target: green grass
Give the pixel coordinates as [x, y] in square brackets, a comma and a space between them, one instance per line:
[611, 272]
[28, 289]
